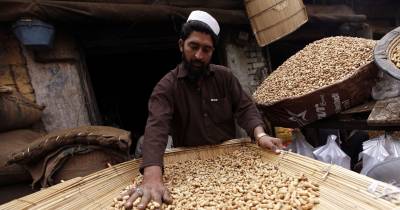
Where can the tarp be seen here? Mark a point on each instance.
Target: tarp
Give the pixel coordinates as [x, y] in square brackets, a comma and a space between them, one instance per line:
[89, 11]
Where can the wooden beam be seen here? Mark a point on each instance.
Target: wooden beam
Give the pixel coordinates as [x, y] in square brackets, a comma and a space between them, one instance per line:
[386, 112]
[366, 107]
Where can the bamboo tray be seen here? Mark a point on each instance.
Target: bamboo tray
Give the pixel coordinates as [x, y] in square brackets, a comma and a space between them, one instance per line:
[340, 188]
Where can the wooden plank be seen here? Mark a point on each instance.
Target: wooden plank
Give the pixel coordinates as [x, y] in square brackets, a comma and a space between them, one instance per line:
[58, 87]
[366, 107]
[386, 112]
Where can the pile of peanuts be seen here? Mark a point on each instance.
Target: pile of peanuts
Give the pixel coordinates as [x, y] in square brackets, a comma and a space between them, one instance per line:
[238, 180]
[395, 57]
[319, 64]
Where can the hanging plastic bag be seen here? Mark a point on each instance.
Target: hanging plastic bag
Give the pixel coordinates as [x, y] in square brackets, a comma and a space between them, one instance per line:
[299, 144]
[392, 146]
[374, 152]
[367, 145]
[331, 153]
[386, 87]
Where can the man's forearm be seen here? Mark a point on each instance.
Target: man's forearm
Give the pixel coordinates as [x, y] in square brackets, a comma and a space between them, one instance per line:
[258, 132]
[152, 173]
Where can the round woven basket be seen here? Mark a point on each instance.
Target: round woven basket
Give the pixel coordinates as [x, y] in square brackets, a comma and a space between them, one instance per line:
[384, 50]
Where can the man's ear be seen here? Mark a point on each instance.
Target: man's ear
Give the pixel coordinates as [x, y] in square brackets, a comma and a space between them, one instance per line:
[180, 42]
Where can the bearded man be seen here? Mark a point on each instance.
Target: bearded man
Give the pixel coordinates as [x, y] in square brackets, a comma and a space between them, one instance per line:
[197, 103]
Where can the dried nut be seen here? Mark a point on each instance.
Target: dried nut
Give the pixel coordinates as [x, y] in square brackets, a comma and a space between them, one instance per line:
[228, 182]
[321, 63]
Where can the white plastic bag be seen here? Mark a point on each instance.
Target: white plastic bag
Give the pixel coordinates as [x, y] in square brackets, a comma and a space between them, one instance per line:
[386, 87]
[331, 153]
[392, 146]
[299, 144]
[374, 152]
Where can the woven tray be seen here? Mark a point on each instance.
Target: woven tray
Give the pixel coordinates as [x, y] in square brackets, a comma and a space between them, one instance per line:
[339, 187]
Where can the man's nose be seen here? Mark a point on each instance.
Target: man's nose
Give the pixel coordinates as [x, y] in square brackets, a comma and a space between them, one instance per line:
[199, 54]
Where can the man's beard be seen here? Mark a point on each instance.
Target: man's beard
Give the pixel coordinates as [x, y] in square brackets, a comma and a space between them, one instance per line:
[196, 69]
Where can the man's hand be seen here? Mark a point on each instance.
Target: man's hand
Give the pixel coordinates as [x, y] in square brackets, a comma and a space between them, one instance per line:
[271, 143]
[152, 188]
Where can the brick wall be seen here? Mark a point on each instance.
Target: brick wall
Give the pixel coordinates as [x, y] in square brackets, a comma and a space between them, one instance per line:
[247, 62]
[257, 66]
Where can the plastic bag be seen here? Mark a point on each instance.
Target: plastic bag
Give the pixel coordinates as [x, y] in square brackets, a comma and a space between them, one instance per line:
[386, 87]
[299, 144]
[387, 171]
[331, 153]
[374, 152]
[392, 147]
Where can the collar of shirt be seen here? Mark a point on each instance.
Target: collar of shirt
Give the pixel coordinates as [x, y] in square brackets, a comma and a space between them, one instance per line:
[183, 72]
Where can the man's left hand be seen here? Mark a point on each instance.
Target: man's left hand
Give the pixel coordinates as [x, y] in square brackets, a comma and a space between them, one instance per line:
[271, 143]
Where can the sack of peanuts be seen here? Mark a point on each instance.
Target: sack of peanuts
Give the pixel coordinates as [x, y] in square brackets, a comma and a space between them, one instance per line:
[10, 142]
[105, 136]
[326, 77]
[16, 111]
[69, 153]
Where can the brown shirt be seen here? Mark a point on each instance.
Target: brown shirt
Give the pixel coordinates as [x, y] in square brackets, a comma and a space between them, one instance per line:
[196, 113]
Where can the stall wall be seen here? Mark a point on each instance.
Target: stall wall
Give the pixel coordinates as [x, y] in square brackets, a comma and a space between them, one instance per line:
[50, 78]
[13, 69]
[247, 62]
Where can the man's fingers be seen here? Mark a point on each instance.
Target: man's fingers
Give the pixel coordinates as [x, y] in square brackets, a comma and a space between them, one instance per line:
[268, 144]
[167, 197]
[145, 200]
[131, 199]
[156, 197]
[128, 192]
[278, 143]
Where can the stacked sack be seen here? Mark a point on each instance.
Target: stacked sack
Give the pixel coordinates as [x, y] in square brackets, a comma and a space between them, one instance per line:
[69, 153]
[17, 115]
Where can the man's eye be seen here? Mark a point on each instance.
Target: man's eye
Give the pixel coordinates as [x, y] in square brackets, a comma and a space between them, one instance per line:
[207, 49]
[194, 47]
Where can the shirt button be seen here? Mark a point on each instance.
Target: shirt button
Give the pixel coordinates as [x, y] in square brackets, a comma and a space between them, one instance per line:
[205, 114]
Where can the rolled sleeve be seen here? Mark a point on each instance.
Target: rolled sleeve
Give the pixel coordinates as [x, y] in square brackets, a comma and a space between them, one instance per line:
[246, 112]
[158, 124]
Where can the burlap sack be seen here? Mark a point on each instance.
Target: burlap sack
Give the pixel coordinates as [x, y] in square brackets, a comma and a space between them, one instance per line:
[11, 142]
[108, 137]
[72, 161]
[86, 163]
[16, 111]
[295, 112]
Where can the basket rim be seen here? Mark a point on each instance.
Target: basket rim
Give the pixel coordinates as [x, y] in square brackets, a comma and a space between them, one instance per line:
[383, 50]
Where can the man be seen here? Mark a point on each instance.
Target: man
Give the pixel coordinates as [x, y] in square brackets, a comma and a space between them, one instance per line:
[197, 102]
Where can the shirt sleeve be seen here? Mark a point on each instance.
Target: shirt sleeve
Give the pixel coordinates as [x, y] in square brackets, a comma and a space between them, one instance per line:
[158, 124]
[245, 110]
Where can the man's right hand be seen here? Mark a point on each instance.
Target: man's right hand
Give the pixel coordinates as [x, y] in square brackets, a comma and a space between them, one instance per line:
[152, 188]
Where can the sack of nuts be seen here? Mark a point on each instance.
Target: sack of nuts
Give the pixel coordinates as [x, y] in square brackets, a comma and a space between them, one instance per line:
[326, 77]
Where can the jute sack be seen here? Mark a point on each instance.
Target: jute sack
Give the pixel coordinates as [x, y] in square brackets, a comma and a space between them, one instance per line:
[108, 137]
[295, 112]
[16, 111]
[72, 161]
[11, 142]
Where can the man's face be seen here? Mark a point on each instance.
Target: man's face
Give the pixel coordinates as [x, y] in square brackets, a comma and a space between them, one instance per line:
[197, 51]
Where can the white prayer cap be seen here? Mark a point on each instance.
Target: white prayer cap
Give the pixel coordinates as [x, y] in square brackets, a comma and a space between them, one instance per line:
[205, 18]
